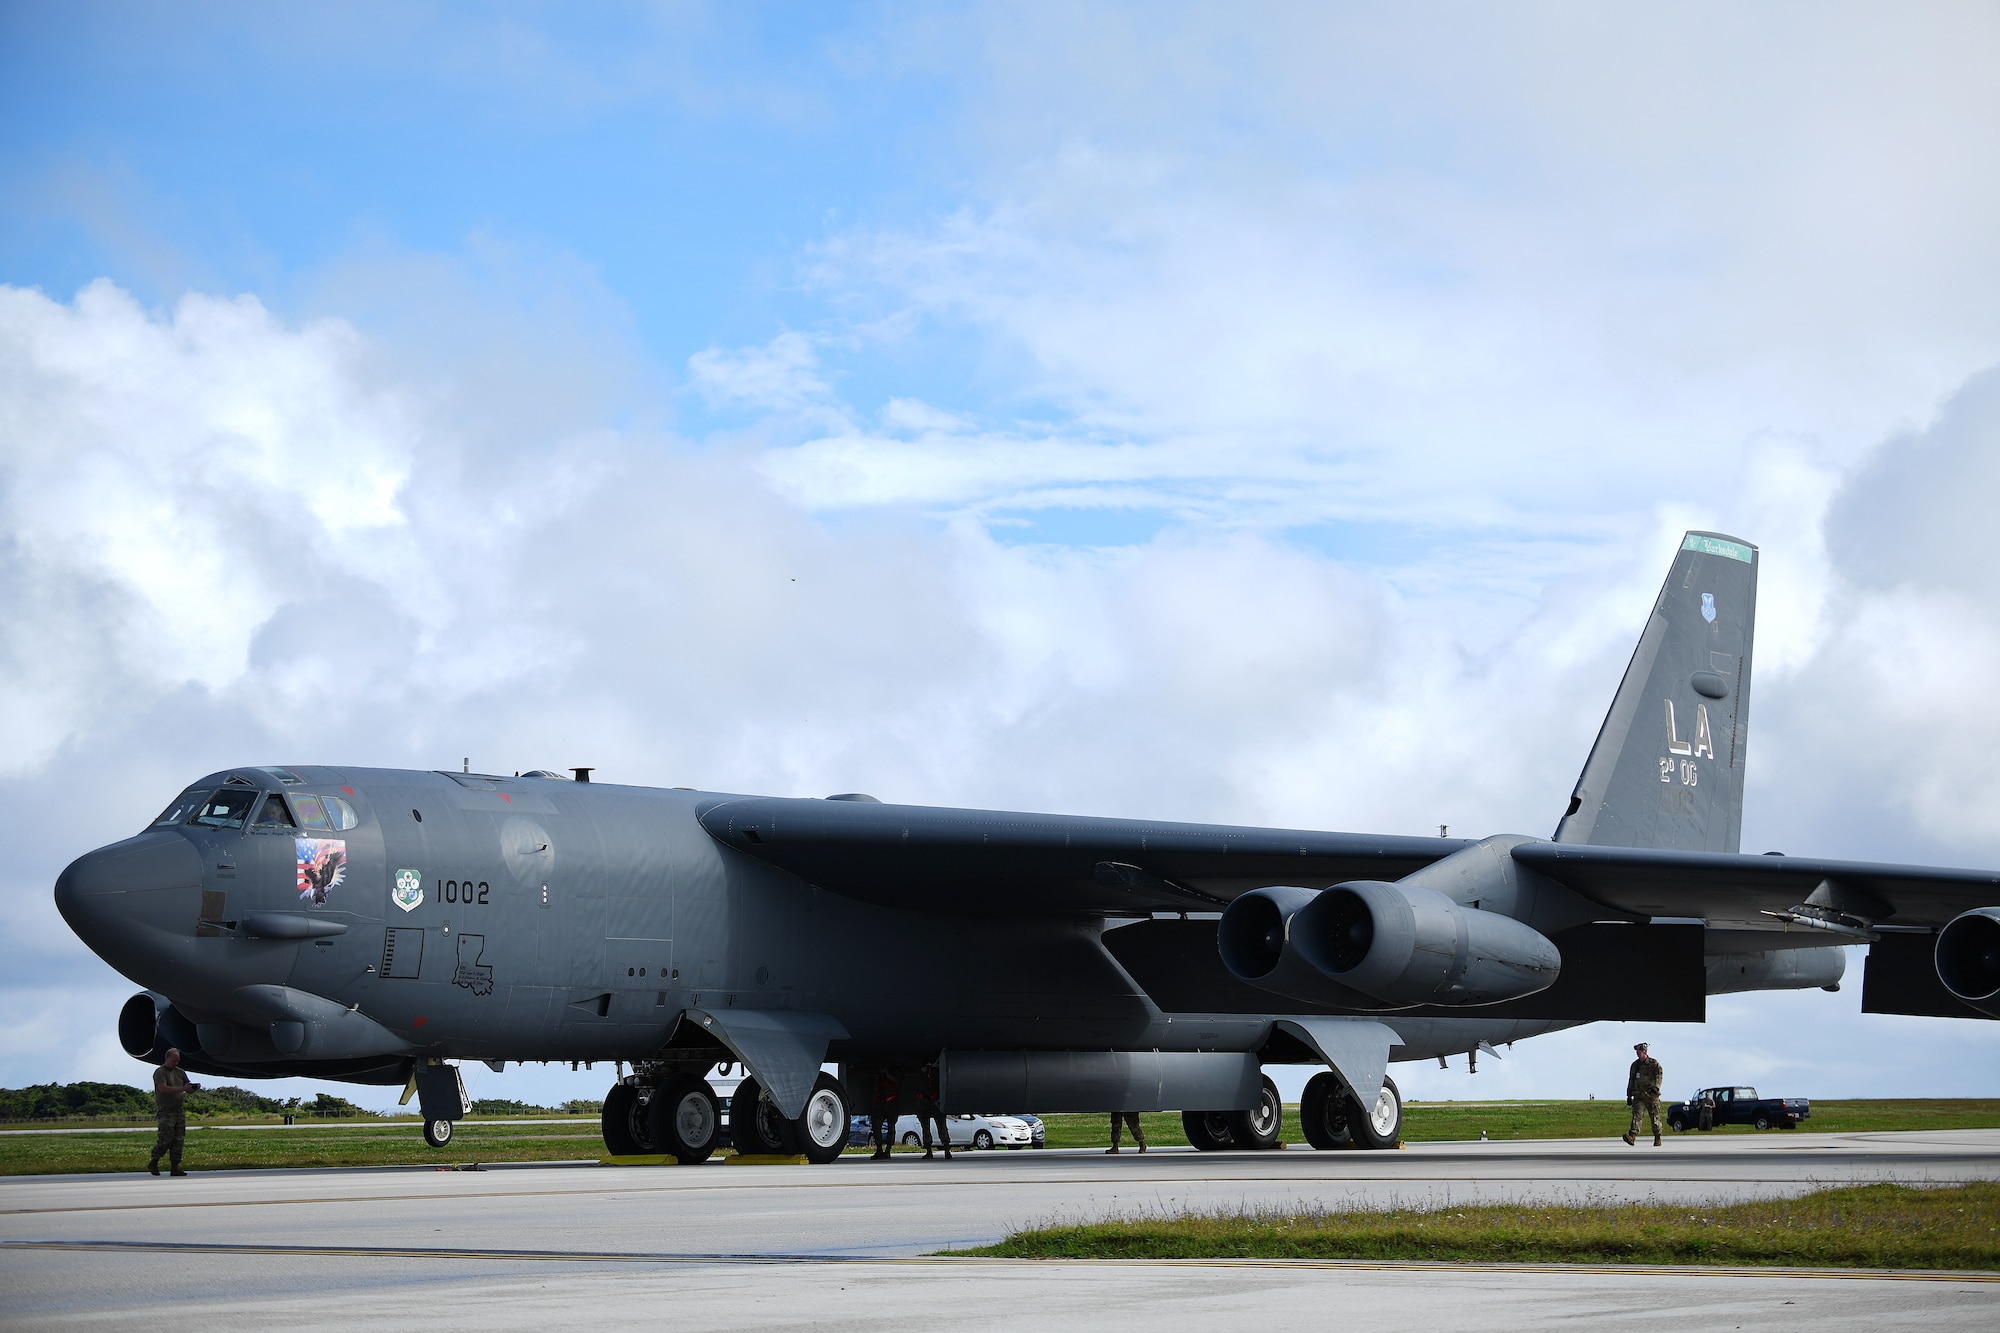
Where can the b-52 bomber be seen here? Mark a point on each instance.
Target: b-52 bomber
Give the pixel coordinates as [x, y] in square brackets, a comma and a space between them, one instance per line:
[377, 926]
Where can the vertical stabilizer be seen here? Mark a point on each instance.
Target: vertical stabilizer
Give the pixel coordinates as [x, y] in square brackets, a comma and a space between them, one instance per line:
[1667, 768]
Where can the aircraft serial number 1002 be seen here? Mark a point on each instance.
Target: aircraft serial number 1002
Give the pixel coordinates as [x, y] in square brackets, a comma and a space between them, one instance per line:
[313, 920]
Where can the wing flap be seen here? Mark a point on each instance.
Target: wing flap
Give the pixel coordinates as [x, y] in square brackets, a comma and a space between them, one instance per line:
[1724, 887]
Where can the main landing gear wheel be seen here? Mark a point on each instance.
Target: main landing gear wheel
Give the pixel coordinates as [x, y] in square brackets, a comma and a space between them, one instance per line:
[1260, 1126]
[821, 1129]
[1323, 1113]
[627, 1132]
[437, 1133]
[1382, 1126]
[756, 1126]
[1206, 1130]
[685, 1119]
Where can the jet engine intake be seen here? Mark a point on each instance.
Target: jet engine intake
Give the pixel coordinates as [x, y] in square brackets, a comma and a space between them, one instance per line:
[1404, 944]
[1968, 958]
[1253, 938]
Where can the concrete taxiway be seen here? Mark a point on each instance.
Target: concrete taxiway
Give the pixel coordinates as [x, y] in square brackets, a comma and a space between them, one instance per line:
[741, 1247]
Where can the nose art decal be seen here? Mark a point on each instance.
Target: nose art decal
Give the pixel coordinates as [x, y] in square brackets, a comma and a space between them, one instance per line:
[322, 867]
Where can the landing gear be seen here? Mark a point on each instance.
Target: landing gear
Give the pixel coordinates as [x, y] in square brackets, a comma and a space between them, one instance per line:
[1323, 1113]
[627, 1128]
[437, 1133]
[821, 1129]
[1207, 1130]
[684, 1120]
[1260, 1126]
[1380, 1126]
[756, 1126]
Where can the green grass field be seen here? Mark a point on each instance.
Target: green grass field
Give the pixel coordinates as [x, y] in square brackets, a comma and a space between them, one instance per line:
[262, 1142]
[1433, 1122]
[1866, 1226]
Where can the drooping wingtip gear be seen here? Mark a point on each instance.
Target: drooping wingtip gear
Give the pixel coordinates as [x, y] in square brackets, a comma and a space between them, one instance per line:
[1667, 768]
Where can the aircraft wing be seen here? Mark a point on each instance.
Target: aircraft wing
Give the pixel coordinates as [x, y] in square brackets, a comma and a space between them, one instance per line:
[1008, 863]
[986, 861]
[1729, 888]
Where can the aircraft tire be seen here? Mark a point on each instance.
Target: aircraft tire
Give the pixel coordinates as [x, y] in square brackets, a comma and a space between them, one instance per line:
[1262, 1125]
[756, 1127]
[685, 1119]
[1207, 1130]
[626, 1133]
[437, 1133]
[1383, 1129]
[821, 1129]
[1323, 1113]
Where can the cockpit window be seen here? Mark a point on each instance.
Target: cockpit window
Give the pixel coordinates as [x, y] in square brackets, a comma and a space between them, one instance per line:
[274, 816]
[311, 813]
[341, 813]
[184, 805]
[227, 808]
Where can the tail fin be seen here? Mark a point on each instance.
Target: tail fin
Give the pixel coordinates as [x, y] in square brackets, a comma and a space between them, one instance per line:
[1667, 768]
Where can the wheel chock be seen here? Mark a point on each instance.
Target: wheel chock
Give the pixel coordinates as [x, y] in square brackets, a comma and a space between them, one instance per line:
[765, 1159]
[637, 1159]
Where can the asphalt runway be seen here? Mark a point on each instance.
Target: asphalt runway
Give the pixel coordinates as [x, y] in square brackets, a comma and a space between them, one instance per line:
[748, 1247]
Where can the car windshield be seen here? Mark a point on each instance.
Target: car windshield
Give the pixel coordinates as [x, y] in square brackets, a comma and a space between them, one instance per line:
[184, 805]
[227, 808]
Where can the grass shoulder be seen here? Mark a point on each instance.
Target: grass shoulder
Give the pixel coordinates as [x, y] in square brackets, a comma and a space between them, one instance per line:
[1865, 1226]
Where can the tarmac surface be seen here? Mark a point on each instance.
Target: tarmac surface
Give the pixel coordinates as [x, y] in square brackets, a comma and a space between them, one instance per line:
[750, 1247]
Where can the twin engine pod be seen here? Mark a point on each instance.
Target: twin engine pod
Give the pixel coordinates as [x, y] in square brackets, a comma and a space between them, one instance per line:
[1968, 958]
[1378, 945]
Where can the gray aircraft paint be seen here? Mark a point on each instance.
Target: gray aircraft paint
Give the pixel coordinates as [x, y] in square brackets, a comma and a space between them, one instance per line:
[1667, 768]
[544, 919]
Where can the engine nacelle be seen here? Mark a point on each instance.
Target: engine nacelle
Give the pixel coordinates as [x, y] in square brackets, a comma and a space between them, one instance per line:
[1253, 939]
[1405, 944]
[148, 1026]
[1968, 958]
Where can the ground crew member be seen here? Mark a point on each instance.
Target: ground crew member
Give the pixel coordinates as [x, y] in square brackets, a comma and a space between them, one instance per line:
[928, 1110]
[1119, 1119]
[1708, 1110]
[170, 1090]
[888, 1092]
[1642, 1093]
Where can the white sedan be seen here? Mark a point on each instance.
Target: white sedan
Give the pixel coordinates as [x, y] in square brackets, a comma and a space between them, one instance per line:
[980, 1131]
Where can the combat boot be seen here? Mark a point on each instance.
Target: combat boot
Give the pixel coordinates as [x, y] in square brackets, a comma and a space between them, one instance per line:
[154, 1166]
[1630, 1142]
[1656, 1140]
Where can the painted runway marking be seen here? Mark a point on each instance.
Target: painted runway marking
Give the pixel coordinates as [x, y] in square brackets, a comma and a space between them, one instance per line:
[1136, 1182]
[935, 1261]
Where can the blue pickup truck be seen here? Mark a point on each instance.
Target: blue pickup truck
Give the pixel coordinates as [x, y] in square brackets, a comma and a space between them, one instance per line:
[1740, 1106]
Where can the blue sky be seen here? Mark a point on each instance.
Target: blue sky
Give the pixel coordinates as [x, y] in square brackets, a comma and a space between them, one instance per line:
[936, 400]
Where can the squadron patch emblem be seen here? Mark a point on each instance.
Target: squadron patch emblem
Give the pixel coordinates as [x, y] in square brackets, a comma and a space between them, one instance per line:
[409, 891]
[1708, 607]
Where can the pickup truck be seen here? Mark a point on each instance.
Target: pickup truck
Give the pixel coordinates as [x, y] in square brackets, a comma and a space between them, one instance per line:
[1740, 1106]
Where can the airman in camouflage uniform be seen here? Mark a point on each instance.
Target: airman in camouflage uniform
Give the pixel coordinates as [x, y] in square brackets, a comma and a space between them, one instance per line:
[1642, 1093]
[170, 1090]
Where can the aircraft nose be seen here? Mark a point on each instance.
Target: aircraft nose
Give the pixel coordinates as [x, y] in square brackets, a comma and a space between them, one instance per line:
[92, 892]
